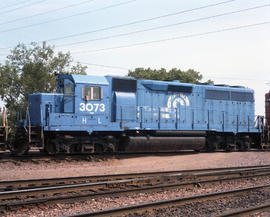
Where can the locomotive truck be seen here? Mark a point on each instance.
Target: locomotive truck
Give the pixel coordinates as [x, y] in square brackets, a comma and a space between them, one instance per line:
[96, 114]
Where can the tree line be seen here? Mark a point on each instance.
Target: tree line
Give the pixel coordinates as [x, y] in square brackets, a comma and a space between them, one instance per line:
[32, 68]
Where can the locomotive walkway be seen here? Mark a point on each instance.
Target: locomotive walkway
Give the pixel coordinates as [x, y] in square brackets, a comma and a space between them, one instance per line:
[22, 192]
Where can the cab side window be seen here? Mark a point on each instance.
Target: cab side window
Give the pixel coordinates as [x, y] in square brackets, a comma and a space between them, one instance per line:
[91, 93]
[69, 89]
[96, 93]
[87, 93]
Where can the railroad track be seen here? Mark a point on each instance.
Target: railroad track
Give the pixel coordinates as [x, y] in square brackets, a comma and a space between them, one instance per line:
[36, 155]
[247, 211]
[38, 183]
[77, 188]
[143, 209]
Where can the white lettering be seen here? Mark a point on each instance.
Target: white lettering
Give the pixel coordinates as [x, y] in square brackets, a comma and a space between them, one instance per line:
[96, 107]
[89, 108]
[92, 107]
[82, 107]
[102, 107]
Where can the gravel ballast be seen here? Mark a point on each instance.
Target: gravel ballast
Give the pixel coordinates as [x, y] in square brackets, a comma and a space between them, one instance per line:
[114, 165]
[29, 169]
[212, 208]
[97, 204]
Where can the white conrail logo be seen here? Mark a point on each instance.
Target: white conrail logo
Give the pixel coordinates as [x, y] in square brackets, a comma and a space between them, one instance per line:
[176, 100]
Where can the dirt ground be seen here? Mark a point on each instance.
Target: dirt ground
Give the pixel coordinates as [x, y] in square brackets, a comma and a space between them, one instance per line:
[31, 169]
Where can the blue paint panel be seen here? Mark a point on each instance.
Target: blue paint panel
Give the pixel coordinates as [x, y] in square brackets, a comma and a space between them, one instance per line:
[68, 100]
[34, 101]
[150, 106]
[40, 102]
[126, 106]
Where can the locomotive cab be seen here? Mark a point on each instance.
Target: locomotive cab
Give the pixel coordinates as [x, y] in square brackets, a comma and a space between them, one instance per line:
[67, 88]
[84, 98]
[55, 122]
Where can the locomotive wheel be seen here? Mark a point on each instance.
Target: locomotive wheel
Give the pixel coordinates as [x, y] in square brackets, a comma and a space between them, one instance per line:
[110, 148]
[243, 144]
[19, 144]
[240, 146]
[229, 148]
[52, 147]
[98, 149]
[20, 148]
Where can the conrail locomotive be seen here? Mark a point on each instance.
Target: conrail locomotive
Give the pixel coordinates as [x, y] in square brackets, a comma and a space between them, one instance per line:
[97, 114]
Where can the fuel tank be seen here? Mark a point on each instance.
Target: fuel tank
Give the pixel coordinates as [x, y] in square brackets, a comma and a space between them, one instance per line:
[160, 144]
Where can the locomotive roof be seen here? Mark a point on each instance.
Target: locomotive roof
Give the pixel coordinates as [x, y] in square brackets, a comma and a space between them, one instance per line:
[103, 80]
[85, 79]
[90, 79]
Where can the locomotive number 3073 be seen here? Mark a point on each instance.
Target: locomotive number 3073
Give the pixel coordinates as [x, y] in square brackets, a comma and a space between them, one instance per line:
[92, 107]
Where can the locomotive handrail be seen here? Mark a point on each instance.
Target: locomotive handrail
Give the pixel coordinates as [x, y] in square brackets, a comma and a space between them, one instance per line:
[178, 116]
[29, 125]
[41, 130]
[259, 123]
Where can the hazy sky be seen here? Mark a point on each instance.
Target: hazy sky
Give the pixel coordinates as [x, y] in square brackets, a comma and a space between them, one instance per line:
[227, 41]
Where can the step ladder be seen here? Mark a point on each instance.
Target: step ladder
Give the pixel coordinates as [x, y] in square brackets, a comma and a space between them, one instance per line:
[35, 134]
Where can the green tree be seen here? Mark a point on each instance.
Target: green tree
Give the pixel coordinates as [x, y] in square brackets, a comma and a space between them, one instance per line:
[189, 76]
[30, 69]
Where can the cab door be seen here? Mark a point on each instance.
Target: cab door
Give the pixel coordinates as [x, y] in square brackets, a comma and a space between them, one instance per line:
[68, 96]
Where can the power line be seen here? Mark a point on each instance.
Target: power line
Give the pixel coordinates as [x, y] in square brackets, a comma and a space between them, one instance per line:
[66, 17]
[23, 6]
[135, 22]
[175, 38]
[47, 12]
[165, 26]
[99, 65]
[105, 66]
[139, 21]
[18, 3]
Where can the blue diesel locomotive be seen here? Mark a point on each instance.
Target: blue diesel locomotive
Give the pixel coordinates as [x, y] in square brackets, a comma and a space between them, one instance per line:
[96, 114]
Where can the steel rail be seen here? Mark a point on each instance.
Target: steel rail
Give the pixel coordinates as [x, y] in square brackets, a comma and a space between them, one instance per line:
[244, 212]
[38, 183]
[37, 155]
[141, 208]
[73, 192]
